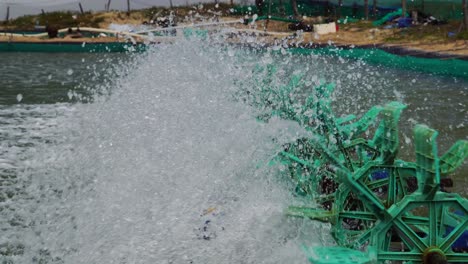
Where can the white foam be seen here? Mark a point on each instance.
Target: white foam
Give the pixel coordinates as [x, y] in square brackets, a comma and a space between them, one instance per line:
[134, 174]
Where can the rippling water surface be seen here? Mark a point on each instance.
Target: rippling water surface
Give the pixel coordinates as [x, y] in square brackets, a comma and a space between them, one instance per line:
[149, 158]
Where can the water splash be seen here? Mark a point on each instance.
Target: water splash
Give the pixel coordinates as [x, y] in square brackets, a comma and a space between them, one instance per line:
[168, 168]
[167, 164]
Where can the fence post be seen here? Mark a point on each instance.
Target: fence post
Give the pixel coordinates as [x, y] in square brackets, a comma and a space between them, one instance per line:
[81, 8]
[7, 14]
[465, 14]
[403, 8]
[374, 8]
[366, 9]
[340, 3]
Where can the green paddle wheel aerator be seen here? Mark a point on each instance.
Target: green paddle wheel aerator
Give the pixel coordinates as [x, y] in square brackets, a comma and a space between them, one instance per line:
[381, 209]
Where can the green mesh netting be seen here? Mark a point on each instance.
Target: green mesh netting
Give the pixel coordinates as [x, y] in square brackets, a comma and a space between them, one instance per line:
[441, 9]
[448, 67]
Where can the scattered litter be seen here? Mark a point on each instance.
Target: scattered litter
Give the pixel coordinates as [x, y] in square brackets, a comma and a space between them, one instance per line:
[322, 29]
[388, 17]
[210, 226]
[300, 26]
[209, 210]
[404, 22]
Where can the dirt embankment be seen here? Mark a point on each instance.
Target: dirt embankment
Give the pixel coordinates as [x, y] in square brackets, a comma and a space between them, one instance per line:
[429, 38]
[420, 38]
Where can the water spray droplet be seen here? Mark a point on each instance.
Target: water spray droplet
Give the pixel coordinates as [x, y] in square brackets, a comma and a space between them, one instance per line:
[19, 97]
[70, 95]
[407, 140]
[70, 72]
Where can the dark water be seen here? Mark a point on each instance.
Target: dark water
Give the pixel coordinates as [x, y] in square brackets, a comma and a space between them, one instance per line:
[43, 78]
[58, 138]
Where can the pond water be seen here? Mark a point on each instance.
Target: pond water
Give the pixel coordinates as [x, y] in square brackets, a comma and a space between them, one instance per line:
[148, 158]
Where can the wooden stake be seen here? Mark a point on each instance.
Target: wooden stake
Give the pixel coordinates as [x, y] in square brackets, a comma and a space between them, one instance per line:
[340, 3]
[281, 8]
[403, 8]
[295, 10]
[465, 14]
[81, 8]
[374, 8]
[42, 11]
[108, 5]
[366, 9]
[128, 7]
[170, 3]
[7, 13]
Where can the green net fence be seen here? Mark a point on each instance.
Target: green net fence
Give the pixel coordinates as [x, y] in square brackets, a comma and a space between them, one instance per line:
[447, 67]
[440, 9]
[445, 10]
